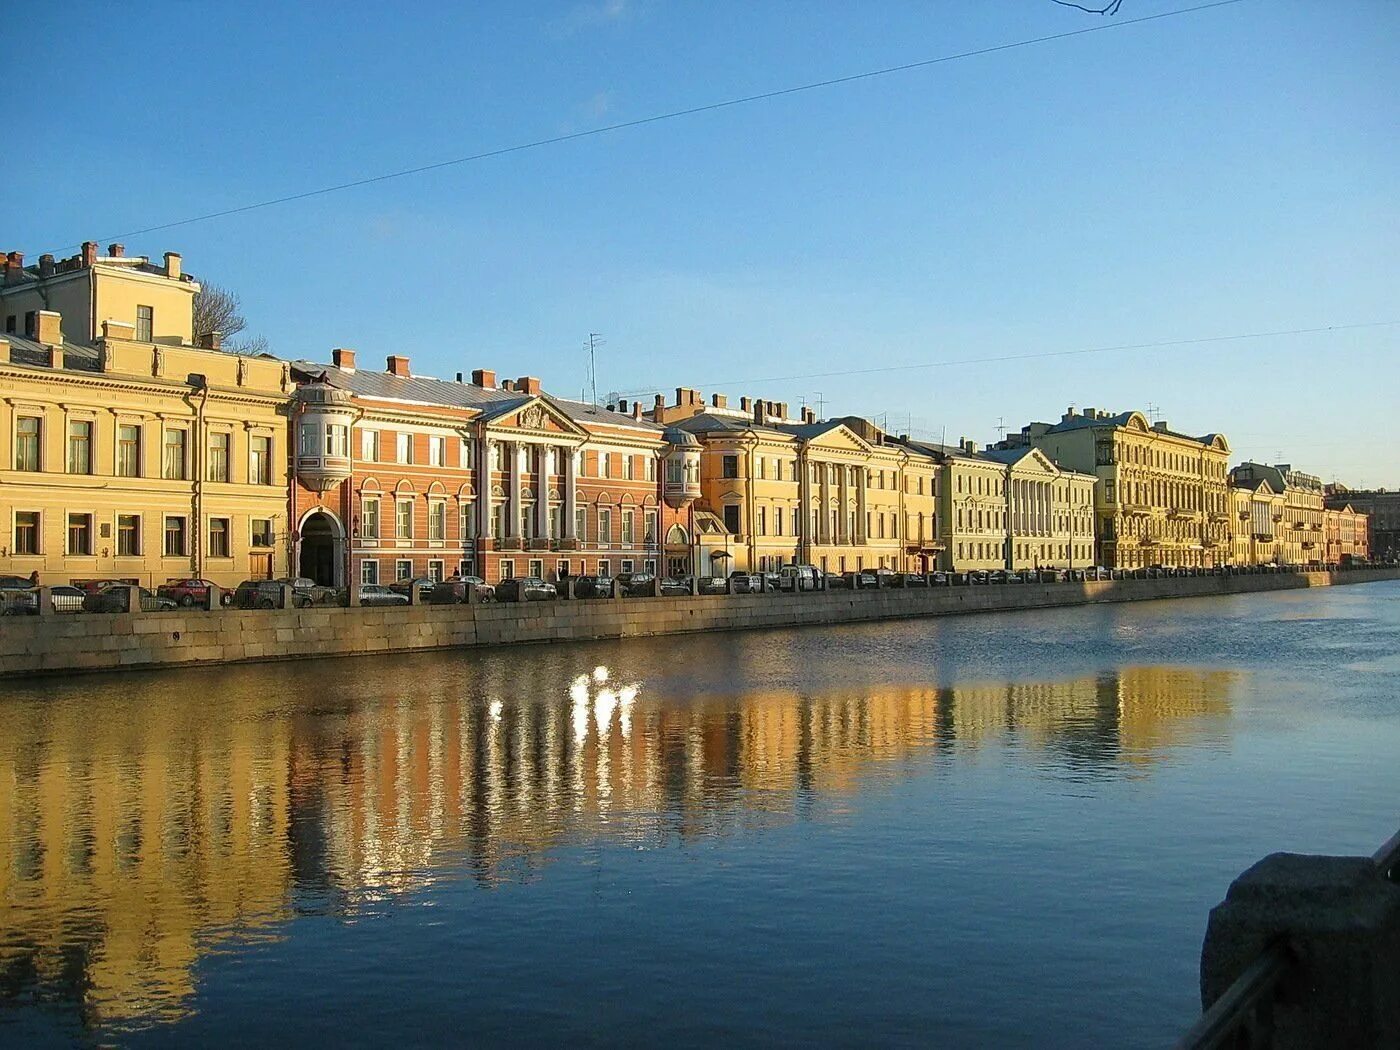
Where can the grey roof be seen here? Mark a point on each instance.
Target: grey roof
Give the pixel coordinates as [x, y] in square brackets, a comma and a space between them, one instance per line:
[680, 438]
[1120, 420]
[705, 423]
[937, 450]
[76, 356]
[424, 390]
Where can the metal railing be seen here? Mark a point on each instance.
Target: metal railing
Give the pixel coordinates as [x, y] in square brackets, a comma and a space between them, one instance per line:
[1243, 1017]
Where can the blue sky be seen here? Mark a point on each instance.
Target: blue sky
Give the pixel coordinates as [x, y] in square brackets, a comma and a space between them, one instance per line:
[1230, 171]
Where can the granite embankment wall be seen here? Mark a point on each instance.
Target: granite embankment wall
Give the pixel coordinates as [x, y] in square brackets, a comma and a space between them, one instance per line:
[117, 641]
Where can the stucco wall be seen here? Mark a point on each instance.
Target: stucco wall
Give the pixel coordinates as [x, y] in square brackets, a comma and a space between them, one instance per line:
[93, 642]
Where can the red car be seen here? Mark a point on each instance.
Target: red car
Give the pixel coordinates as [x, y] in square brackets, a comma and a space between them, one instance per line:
[188, 592]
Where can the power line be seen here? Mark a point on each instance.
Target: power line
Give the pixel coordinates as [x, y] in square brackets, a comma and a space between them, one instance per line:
[658, 117]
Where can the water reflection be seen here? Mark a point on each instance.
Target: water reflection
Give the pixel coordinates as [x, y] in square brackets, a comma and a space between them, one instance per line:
[144, 826]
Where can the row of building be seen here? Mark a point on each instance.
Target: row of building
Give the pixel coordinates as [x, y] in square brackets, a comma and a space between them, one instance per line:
[129, 452]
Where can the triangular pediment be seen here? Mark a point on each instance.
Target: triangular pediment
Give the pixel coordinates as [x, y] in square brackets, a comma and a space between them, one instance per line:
[1035, 462]
[840, 439]
[535, 416]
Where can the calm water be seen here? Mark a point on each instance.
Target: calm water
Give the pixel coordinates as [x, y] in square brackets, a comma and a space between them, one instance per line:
[992, 831]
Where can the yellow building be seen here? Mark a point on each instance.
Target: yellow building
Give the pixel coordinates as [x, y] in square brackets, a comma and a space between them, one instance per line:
[837, 493]
[1163, 496]
[1300, 535]
[1256, 524]
[126, 453]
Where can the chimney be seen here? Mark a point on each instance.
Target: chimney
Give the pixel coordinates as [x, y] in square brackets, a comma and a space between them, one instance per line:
[48, 327]
[528, 385]
[459, 377]
[172, 264]
[746, 405]
[483, 378]
[659, 403]
[89, 253]
[116, 251]
[4, 351]
[210, 341]
[622, 406]
[760, 411]
[397, 365]
[809, 415]
[508, 384]
[118, 330]
[344, 359]
[14, 267]
[46, 267]
[782, 410]
[1069, 414]
[1160, 425]
[1091, 413]
[636, 410]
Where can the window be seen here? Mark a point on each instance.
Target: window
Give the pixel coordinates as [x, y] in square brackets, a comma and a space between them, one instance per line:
[604, 567]
[537, 568]
[369, 519]
[218, 457]
[437, 451]
[437, 520]
[508, 569]
[650, 537]
[129, 450]
[403, 444]
[650, 565]
[27, 432]
[403, 519]
[369, 571]
[730, 467]
[435, 570]
[260, 532]
[175, 537]
[369, 448]
[605, 526]
[498, 520]
[650, 468]
[762, 529]
[731, 519]
[145, 323]
[172, 464]
[581, 523]
[626, 564]
[403, 569]
[762, 464]
[468, 458]
[468, 520]
[777, 521]
[80, 446]
[218, 538]
[556, 521]
[26, 532]
[497, 458]
[628, 467]
[260, 460]
[337, 440]
[675, 467]
[628, 531]
[10, 323]
[80, 534]
[29, 328]
[128, 536]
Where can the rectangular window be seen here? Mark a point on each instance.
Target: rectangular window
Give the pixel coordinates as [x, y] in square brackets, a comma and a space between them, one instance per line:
[761, 466]
[260, 460]
[626, 564]
[731, 519]
[562, 568]
[369, 447]
[129, 450]
[29, 321]
[218, 457]
[403, 519]
[26, 532]
[80, 446]
[730, 467]
[80, 534]
[403, 569]
[628, 532]
[260, 532]
[218, 538]
[508, 569]
[128, 536]
[762, 529]
[172, 463]
[369, 519]
[629, 467]
[581, 523]
[777, 521]
[651, 565]
[605, 526]
[468, 460]
[537, 568]
[403, 444]
[337, 440]
[369, 571]
[27, 433]
[437, 520]
[437, 451]
[175, 537]
[467, 513]
[145, 323]
[604, 567]
[435, 570]
[650, 537]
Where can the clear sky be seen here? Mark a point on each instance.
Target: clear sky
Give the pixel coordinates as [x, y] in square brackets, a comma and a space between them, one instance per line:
[1224, 172]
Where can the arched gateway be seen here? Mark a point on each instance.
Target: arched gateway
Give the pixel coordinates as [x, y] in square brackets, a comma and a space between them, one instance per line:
[322, 549]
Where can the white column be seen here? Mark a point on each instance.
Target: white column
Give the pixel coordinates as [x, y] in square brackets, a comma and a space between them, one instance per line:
[542, 496]
[570, 498]
[483, 490]
[516, 454]
[824, 516]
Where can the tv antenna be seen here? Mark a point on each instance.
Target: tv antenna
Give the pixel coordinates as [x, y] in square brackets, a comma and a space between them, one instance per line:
[1001, 428]
[1153, 411]
[594, 341]
[821, 405]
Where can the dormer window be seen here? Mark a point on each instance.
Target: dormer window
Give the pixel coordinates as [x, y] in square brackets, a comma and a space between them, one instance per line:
[145, 323]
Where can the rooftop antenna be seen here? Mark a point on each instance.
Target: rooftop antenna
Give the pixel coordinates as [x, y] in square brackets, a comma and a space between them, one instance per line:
[594, 341]
[1001, 428]
[821, 405]
[1153, 411]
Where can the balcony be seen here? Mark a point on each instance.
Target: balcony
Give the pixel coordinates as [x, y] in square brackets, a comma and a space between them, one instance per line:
[1181, 514]
[510, 543]
[1264, 537]
[1138, 510]
[539, 544]
[1220, 515]
[569, 544]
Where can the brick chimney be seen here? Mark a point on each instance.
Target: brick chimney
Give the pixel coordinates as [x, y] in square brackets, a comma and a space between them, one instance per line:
[343, 358]
[636, 410]
[719, 401]
[528, 385]
[746, 404]
[658, 403]
[4, 351]
[172, 264]
[116, 251]
[46, 267]
[809, 415]
[760, 411]
[89, 255]
[48, 327]
[621, 406]
[782, 410]
[210, 341]
[508, 384]
[14, 267]
[397, 365]
[484, 378]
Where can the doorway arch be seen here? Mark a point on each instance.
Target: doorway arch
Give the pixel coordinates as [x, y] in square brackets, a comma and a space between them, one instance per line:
[322, 554]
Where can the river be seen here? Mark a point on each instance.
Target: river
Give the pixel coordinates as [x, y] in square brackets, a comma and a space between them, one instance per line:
[1001, 830]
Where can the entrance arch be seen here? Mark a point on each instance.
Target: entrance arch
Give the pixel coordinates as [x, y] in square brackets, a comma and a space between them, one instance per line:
[322, 557]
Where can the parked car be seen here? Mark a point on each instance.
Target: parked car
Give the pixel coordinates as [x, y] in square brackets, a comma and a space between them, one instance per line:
[744, 582]
[423, 583]
[636, 584]
[912, 579]
[592, 586]
[526, 589]
[267, 594]
[867, 578]
[113, 600]
[801, 577]
[15, 583]
[939, 579]
[675, 587]
[453, 591]
[310, 589]
[378, 594]
[189, 592]
[63, 599]
[96, 586]
[714, 585]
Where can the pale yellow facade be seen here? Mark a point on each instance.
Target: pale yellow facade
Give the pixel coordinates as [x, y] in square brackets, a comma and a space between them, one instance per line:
[136, 460]
[1162, 497]
[1298, 511]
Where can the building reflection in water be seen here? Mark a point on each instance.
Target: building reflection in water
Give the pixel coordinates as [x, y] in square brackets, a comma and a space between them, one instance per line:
[142, 829]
